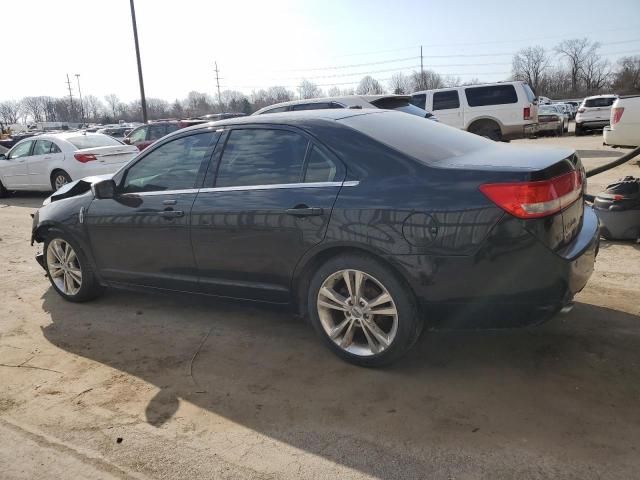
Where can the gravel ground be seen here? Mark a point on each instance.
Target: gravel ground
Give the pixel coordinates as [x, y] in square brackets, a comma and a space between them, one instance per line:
[111, 389]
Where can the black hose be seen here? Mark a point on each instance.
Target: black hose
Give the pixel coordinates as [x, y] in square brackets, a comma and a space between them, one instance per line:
[619, 161]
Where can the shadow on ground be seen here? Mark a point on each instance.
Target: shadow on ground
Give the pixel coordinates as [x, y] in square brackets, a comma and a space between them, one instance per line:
[568, 389]
[24, 199]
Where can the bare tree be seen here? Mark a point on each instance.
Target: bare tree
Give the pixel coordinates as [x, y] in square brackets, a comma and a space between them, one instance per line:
[10, 111]
[34, 108]
[451, 81]
[627, 79]
[529, 65]
[113, 102]
[93, 107]
[576, 51]
[369, 86]
[399, 83]
[176, 109]
[596, 73]
[309, 89]
[426, 80]
[333, 92]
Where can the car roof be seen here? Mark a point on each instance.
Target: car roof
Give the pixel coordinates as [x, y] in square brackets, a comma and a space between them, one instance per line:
[609, 95]
[301, 118]
[348, 100]
[455, 87]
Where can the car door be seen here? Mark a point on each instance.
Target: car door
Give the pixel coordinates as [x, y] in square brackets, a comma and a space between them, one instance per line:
[142, 236]
[269, 202]
[446, 107]
[13, 168]
[44, 154]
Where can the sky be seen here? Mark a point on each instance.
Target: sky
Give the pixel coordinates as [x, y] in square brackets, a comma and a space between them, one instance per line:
[257, 44]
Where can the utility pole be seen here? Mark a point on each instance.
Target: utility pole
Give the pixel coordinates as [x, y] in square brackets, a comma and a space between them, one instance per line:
[70, 96]
[218, 85]
[80, 93]
[421, 65]
[143, 101]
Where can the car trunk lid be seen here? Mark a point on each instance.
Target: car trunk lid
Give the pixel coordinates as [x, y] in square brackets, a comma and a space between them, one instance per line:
[109, 155]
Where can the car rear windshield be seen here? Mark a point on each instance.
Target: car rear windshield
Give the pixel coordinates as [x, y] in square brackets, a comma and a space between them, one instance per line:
[599, 102]
[424, 140]
[93, 141]
[399, 104]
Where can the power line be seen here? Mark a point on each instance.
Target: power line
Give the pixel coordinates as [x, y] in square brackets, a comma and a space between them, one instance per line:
[218, 83]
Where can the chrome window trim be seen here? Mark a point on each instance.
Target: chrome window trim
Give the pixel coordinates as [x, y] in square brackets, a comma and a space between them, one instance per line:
[350, 183]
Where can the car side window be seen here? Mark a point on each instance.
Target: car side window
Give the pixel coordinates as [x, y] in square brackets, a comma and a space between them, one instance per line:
[42, 147]
[491, 95]
[138, 135]
[314, 106]
[55, 148]
[277, 110]
[446, 100]
[261, 157]
[320, 167]
[172, 166]
[21, 150]
[419, 100]
[156, 132]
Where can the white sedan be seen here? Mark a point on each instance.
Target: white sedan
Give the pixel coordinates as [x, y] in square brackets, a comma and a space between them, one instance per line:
[47, 162]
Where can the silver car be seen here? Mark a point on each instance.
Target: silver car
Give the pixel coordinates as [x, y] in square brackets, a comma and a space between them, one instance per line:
[401, 103]
[550, 120]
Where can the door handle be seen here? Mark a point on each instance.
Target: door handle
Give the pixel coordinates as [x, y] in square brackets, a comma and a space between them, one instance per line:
[171, 213]
[304, 211]
[169, 202]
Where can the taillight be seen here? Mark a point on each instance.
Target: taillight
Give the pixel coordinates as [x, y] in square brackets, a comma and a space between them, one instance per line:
[526, 114]
[84, 157]
[616, 114]
[535, 199]
[581, 110]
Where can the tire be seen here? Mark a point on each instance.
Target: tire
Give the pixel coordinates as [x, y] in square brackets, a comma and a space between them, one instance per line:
[566, 128]
[579, 131]
[487, 129]
[358, 341]
[56, 253]
[59, 178]
[559, 131]
[3, 191]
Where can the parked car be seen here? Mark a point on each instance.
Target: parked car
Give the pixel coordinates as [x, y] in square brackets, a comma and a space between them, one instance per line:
[214, 117]
[594, 113]
[625, 122]
[567, 111]
[561, 110]
[145, 135]
[115, 132]
[363, 220]
[499, 111]
[549, 120]
[49, 161]
[401, 103]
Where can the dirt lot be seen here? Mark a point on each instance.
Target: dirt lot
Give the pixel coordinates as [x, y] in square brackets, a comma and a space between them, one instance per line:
[111, 389]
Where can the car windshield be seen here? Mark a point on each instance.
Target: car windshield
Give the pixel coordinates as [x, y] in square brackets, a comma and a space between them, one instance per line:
[426, 141]
[93, 141]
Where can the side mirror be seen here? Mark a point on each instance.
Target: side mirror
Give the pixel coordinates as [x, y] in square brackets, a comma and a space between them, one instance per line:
[126, 140]
[104, 189]
[3, 156]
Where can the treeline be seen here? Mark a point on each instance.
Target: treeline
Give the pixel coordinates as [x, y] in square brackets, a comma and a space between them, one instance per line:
[573, 69]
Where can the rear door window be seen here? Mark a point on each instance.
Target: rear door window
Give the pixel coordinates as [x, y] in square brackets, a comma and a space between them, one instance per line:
[446, 100]
[42, 147]
[320, 167]
[156, 132]
[491, 95]
[261, 157]
[277, 110]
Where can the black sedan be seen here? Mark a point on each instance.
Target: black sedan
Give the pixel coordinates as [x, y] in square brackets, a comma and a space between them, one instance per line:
[371, 223]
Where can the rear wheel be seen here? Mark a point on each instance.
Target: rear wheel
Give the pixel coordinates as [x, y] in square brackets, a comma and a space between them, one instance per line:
[362, 311]
[488, 129]
[579, 131]
[59, 178]
[559, 131]
[68, 269]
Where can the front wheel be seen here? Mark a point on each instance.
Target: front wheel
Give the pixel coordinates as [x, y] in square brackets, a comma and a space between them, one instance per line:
[363, 311]
[3, 191]
[68, 269]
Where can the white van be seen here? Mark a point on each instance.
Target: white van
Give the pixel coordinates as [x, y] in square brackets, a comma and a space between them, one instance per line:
[625, 122]
[500, 111]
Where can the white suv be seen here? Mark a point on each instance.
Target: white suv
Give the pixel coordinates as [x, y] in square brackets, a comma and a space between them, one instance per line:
[594, 113]
[500, 111]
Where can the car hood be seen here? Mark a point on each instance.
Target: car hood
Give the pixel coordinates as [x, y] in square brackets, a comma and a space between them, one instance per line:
[78, 187]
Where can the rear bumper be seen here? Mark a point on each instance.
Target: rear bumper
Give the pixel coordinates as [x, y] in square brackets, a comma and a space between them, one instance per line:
[513, 132]
[509, 282]
[549, 126]
[592, 123]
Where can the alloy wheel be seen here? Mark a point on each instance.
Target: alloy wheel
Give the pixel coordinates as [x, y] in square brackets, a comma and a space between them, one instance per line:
[64, 267]
[357, 312]
[60, 181]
